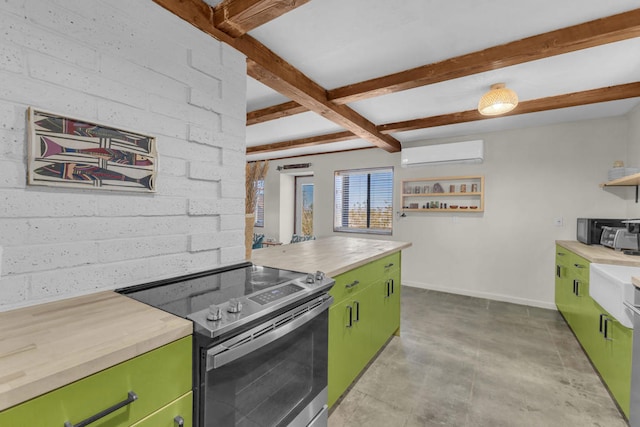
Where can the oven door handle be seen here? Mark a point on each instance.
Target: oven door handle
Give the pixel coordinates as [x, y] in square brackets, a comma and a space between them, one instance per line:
[634, 308]
[256, 338]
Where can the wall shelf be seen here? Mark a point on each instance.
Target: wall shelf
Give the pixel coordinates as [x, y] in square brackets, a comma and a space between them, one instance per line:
[625, 181]
[418, 194]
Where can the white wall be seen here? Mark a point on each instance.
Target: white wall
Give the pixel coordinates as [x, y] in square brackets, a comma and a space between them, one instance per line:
[633, 158]
[132, 65]
[507, 253]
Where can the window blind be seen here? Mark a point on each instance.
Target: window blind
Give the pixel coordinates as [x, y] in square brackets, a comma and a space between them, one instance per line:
[364, 201]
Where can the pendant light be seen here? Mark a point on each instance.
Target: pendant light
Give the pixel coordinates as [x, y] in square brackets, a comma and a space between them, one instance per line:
[498, 100]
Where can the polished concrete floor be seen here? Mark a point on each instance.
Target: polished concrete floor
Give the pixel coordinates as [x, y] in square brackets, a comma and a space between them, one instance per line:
[463, 361]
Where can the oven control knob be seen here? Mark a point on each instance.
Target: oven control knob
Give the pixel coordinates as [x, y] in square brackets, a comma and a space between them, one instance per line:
[234, 306]
[310, 278]
[319, 276]
[215, 313]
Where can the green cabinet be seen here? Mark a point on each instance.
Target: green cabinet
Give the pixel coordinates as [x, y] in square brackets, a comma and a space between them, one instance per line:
[156, 378]
[365, 313]
[607, 343]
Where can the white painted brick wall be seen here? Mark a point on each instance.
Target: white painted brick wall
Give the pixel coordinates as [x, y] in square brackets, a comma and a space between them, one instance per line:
[139, 68]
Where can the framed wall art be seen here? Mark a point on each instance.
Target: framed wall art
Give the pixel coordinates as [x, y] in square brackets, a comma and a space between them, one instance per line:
[67, 152]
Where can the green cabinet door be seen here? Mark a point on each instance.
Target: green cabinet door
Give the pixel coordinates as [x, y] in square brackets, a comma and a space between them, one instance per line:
[611, 355]
[562, 284]
[618, 345]
[343, 340]
[178, 411]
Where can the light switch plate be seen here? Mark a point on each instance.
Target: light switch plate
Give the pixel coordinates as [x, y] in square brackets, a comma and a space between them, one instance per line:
[558, 221]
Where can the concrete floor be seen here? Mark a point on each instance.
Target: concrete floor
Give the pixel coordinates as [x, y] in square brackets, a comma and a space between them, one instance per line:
[463, 361]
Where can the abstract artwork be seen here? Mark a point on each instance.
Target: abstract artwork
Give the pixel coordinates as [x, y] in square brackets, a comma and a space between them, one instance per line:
[66, 152]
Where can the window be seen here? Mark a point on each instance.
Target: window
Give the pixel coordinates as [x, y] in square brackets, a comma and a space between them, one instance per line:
[364, 201]
[259, 203]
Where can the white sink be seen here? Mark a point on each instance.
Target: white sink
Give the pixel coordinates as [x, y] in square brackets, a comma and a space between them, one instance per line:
[610, 285]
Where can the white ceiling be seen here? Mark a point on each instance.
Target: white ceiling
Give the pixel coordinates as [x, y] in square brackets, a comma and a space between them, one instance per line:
[339, 42]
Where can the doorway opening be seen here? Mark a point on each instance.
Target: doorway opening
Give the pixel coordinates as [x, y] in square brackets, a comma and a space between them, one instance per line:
[304, 205]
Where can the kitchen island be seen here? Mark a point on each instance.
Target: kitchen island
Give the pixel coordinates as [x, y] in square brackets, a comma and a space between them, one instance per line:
[91, 345]
[366, 308]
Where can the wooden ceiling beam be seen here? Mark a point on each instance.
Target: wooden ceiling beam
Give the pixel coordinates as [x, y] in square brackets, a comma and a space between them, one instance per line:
[302, 142]
[238, 17]
[275, 112]
[611, 29]
[273, 71]
[589, 34]
[605, 94]
[279, 75]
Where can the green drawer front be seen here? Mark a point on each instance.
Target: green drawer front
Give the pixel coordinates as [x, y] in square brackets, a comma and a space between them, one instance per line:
[166, 417]
[580, 267]
[157, 377]
[364, 275]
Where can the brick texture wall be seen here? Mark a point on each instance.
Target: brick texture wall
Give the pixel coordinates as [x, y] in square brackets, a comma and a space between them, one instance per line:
[133, 65]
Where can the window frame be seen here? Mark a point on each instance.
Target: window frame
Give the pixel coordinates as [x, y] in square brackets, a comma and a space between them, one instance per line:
[259, 213]
[368, 230]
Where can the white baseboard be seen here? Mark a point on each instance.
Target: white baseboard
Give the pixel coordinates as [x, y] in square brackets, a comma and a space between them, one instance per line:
[486, 295]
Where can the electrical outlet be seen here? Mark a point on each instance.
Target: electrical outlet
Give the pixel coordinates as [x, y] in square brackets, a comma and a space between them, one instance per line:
[558, 221]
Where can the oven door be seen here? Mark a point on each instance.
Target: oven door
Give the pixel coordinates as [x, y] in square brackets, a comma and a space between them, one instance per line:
[272, 375]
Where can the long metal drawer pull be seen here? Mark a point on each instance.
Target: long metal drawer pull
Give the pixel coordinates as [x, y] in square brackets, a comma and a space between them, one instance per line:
[557, 270]
[351, 285]
[388, 265]
[179, 421]
[388, 289]
[357, 304]
[561, 254]
[578, 266]
[393, 289]
[600, 329]
[131, 396]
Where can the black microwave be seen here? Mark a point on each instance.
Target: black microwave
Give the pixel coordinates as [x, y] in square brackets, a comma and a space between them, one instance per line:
[590, 229]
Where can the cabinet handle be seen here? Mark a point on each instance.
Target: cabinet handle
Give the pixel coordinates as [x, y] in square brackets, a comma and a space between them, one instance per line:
[178, 421]
[350, 324]
[357, 304]
[351, 285]
[393, 289]
[601, 323]
[558, 271]
[574, 286]
[560, 253]
[131, 396]
[388, 289]
[606, 329]
[577, 292]
[578, 265]
[388, 265]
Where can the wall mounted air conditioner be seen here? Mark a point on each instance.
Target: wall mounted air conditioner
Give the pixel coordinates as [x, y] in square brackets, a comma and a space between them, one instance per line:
[455, 152]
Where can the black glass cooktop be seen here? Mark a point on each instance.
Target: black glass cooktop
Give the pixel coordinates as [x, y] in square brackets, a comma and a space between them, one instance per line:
[189, 294]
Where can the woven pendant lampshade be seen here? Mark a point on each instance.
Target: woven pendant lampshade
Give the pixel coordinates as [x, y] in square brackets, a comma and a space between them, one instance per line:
[498, 100]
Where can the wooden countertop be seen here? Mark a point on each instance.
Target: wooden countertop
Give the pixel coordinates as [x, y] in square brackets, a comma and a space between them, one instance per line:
[600, 254]
[331, 255]
[47, 346]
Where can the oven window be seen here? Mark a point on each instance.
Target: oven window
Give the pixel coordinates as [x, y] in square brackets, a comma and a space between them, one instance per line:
[271, 385]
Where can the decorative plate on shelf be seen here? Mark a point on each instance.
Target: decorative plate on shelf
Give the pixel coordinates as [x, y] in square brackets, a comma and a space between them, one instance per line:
[437, 188]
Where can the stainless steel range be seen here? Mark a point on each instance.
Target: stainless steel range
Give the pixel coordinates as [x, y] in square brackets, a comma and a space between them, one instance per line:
[260, 343]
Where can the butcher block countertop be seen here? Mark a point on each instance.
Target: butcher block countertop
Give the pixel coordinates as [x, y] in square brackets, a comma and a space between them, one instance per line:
[47, 346]
[600, 254]
[331, 255]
